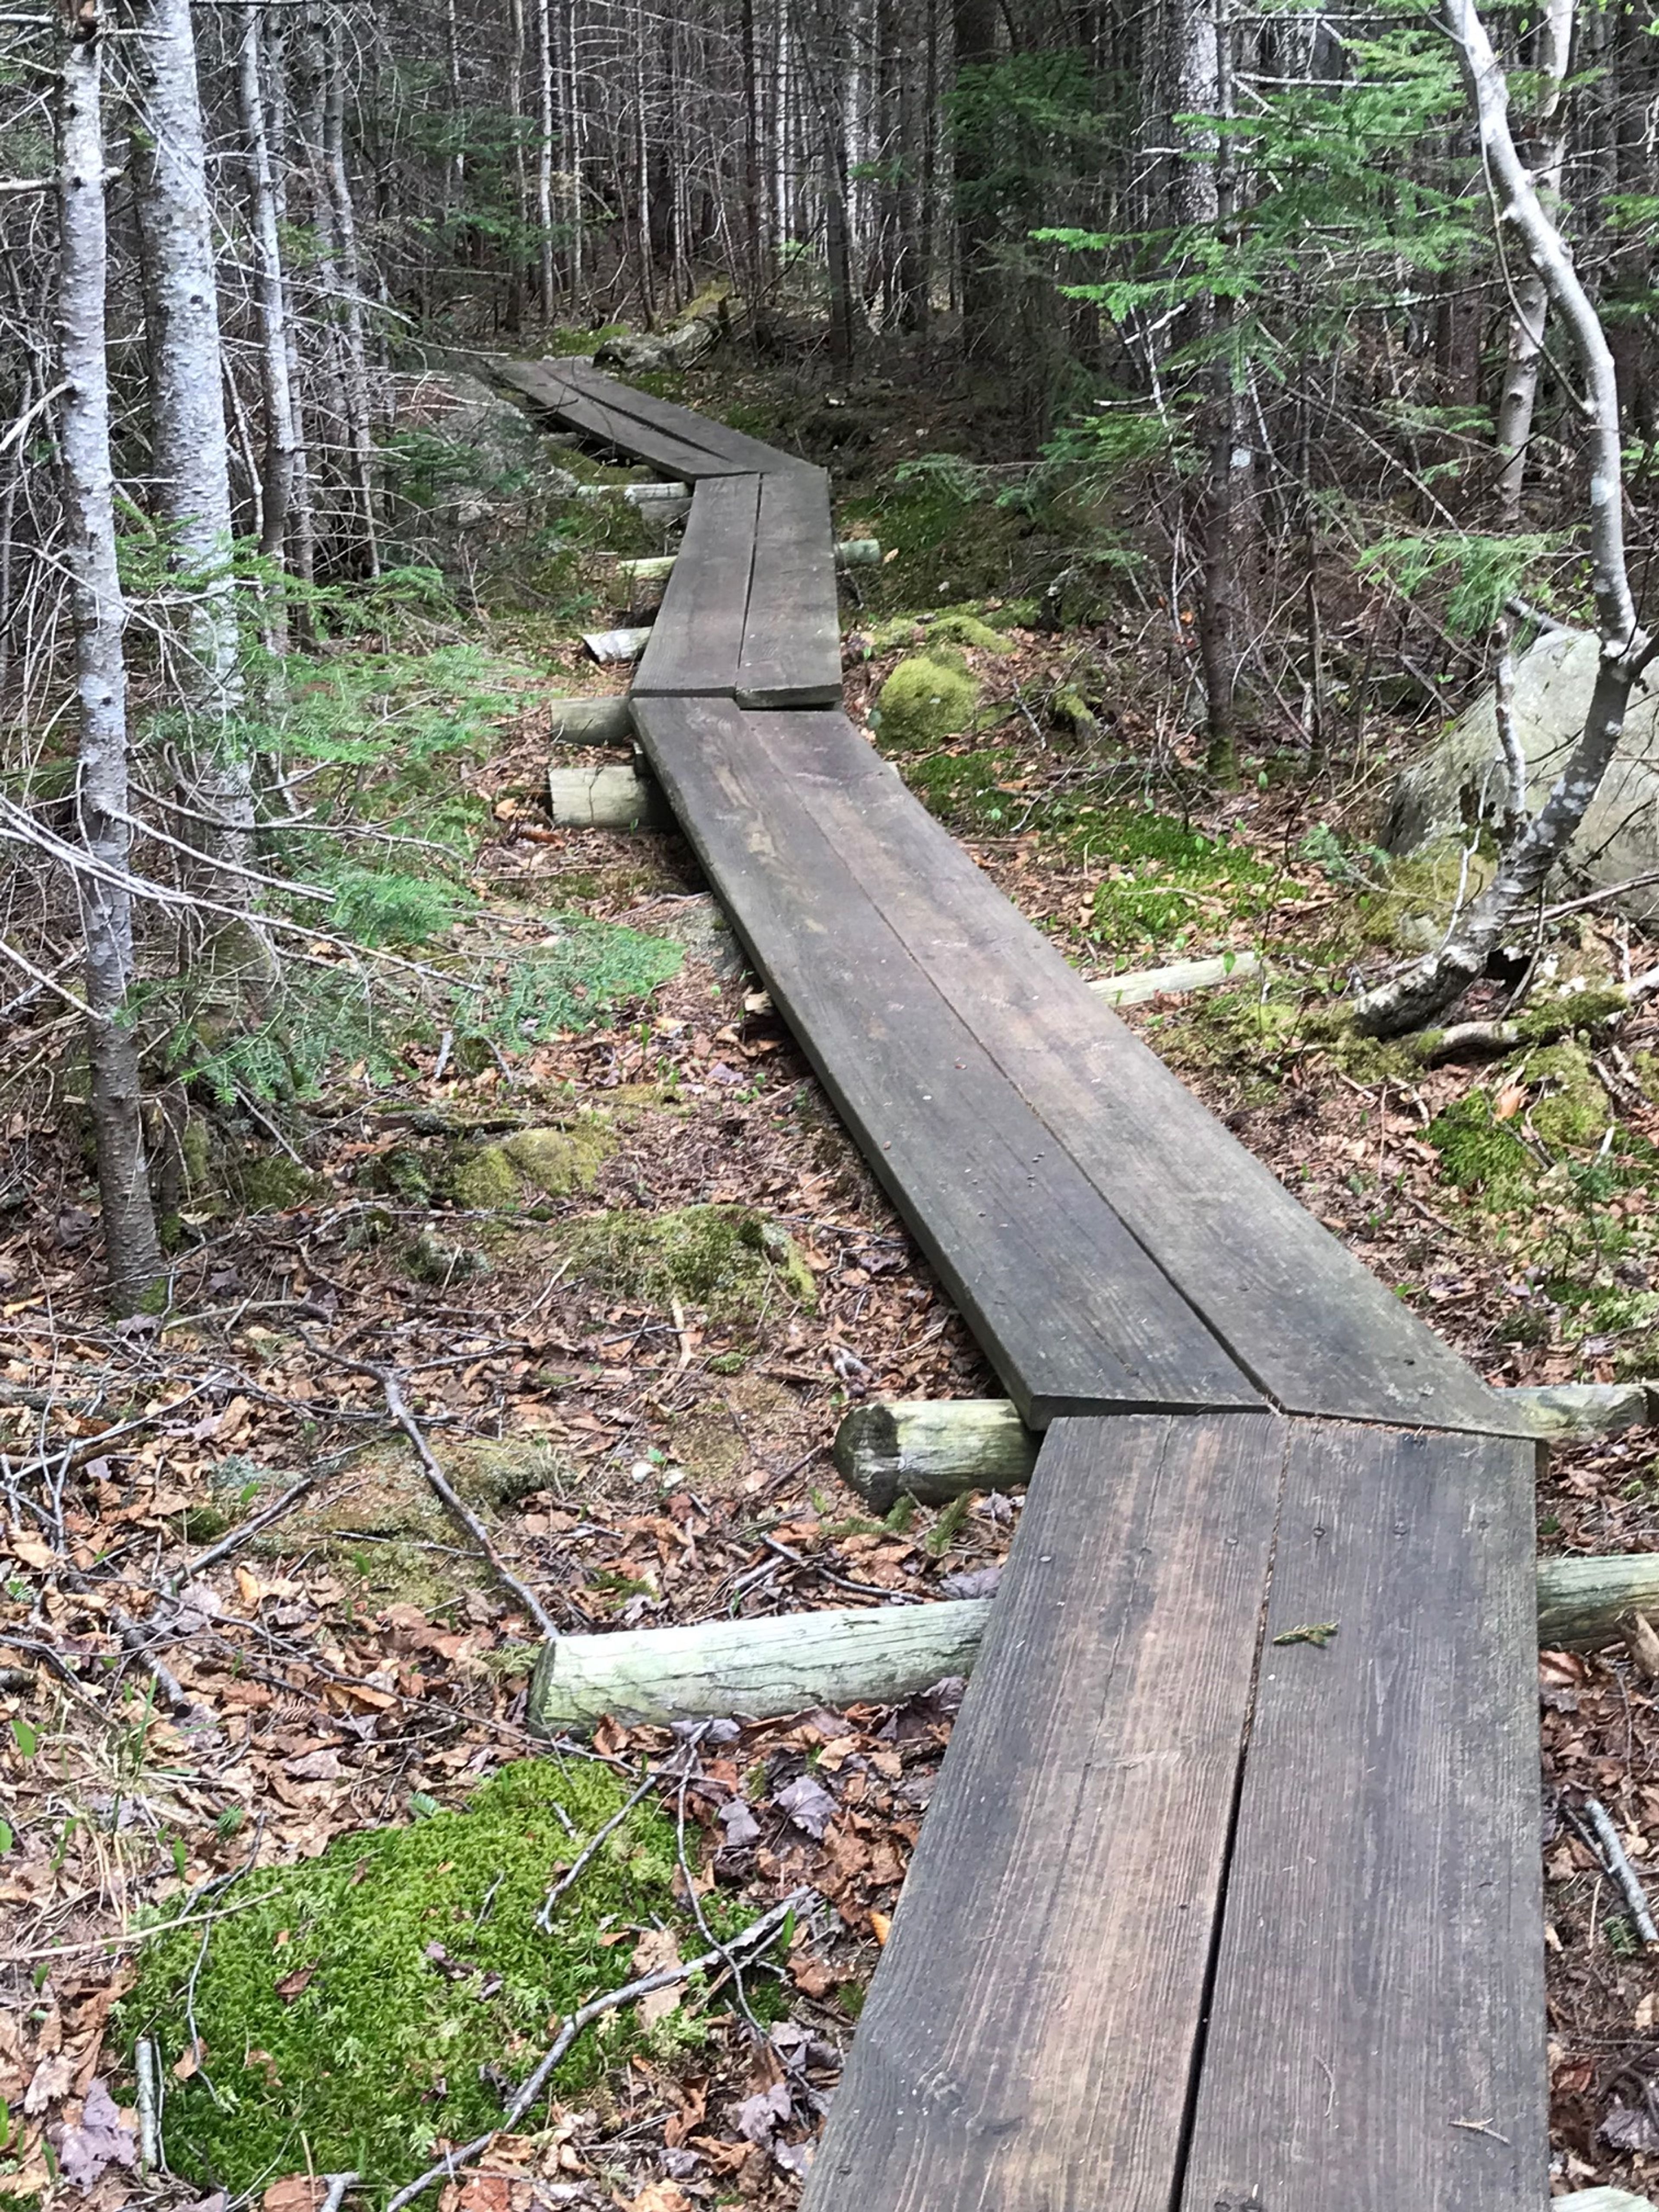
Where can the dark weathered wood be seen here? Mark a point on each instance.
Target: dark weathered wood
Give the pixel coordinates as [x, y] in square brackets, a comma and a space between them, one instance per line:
[792, 636]
[1070, 1311]
[736, 448]
[1029, 2039]
[1377, 2031]
[1301, 1315]
[546, 385]
[696, 639]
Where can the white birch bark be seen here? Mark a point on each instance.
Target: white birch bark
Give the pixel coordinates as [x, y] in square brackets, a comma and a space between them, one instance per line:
[336, 183]
[1428, 988]
[191, 454]
[544, 62]
[1530, 301]
[132, 1252]
[270, 291]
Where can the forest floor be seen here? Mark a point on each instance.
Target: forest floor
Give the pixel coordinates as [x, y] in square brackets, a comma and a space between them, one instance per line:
[629, 1273]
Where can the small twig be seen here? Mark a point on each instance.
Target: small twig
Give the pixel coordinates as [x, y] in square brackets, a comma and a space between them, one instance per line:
[1613, 1854]
[337, 2185]
[397, 1406]
[146, 2073]
[574, 1874]
[133, 1936]
[753, 1938]
[263, 1519]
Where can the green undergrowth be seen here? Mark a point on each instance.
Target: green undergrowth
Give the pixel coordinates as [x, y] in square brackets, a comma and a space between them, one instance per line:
[728, 1260]
[397, 1989]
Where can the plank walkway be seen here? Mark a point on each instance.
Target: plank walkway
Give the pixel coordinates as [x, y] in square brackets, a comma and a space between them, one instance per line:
[1206, 1915]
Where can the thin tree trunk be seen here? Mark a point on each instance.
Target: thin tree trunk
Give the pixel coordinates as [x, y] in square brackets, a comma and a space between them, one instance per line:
[270, 299]
[191, 464]
[337, 184]
[1427, 989]
[131, 1248]
[301, 516]
[544, 158]
[1530, 306]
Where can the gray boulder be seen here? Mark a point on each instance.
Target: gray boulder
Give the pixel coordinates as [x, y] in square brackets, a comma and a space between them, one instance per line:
[1462, 777]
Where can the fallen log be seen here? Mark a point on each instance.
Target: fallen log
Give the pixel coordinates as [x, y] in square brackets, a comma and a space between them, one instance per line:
[608, 720]
[1179, 976]
[764, 1667]
[1601, 2200]
[637, 495]
[657, 568]
[937, 1448]
[608, 798]
[883, 1655]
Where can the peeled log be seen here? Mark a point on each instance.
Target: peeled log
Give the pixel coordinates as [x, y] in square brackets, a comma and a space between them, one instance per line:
[936, 1448]
[1179, 976]
[608, 720]
[762, 1669]
[609, 798]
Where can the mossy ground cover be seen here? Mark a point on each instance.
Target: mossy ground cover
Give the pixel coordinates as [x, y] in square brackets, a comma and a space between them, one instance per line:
[395, 1990]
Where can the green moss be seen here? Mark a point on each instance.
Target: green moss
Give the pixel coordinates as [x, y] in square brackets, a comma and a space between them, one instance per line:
[957, 626]
[1573, 1109]
[1479, 1155]
[485, 1182]
[727, 1260]
[561, 1160]
[1546, 1019]
[387, 1992]
[965, 788]
[1167, 882]
[271, 1183]
[404, 1172]
[925, 702]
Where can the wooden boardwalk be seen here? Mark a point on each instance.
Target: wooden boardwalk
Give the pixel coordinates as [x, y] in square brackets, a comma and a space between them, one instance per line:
[1208, 1914]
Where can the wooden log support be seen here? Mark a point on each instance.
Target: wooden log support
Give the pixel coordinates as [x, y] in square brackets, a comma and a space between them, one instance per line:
[607, 720]
[1178, 978]
[880, 1656]
[608, 798]
[934, 1450]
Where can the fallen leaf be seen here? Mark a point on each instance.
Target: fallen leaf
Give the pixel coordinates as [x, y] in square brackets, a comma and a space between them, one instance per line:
[662, 2197]
[1627, 2129]
[657, 1949]
[739, 1823]
[315, 1767]
[291, 1985]
[758, 2118]
[881, 1926]
[51, 2080]
[808, 1804]
[295, 2192]
[1642, 1641]
[97, 2140]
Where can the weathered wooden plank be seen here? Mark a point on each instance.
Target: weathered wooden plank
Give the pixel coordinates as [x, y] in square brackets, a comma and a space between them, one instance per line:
[1028, 2042]
[1377, 2031]
[735, 448]
[1072, 1313]
[792, 635]
[545, 385]
[1303, 1316]
[696, 639]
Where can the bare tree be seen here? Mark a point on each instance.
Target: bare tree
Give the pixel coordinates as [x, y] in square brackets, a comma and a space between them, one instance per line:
[1530, 299]
[1428, 988]
[271, 295]
[133, 1252]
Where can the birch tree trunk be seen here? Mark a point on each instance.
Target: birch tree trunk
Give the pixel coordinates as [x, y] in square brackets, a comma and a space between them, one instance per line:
[1530, 300]
[1433, 984]
[270, 292]
[131, 1249]
[338, 184]
[544, 60]
[302, 521]
[191, 461]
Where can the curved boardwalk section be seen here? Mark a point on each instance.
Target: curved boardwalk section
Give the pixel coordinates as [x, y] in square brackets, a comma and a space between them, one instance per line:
[1228, 1900]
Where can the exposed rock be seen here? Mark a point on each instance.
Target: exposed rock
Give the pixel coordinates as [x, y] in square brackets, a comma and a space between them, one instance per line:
[637, 354]
[927, 700]
[1462, 778]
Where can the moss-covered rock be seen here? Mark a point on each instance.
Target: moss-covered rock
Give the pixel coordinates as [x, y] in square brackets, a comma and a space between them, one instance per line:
[957, 626]
[485, 1182]
[561, 1160]
[388, 1992]
[271, 1182]
[1573, 1109]
[926, 702]
[728, 1260]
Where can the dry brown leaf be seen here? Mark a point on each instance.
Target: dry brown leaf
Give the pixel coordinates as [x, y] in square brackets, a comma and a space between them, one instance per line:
[295, 2192]
[53, 2078]
[1642, 1641]
[662, 2197]
[881, 1927]
[657, 1949]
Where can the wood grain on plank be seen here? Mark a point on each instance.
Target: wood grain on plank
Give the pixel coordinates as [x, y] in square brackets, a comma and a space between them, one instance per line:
[751, 455]
[1028, 2042]
[1069, 1309]
[556, 390]
[792, 635]
[697, 637]
[1302, 1315]
[1376, 2035]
